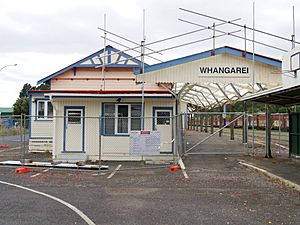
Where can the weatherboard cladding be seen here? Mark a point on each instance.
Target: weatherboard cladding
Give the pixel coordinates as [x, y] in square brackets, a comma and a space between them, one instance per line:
[206, 54]
[189, 71]
[91, 79]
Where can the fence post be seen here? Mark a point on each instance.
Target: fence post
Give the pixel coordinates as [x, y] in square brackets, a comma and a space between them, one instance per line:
[205, 123]
[279, 133]
[220, 124]
[22, 139]
[184, 136]
[100, 128]
[245, 137]
[232, 125]
[212, 124]
[268, 132]
[201, 122]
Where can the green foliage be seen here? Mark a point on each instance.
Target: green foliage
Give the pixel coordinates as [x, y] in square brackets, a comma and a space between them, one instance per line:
[21, 106]
[24, 92]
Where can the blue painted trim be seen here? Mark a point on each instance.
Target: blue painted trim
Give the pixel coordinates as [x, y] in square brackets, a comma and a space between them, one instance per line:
[36, 109]
[102, 118]
[109, 56]
[110, 66]
[154, 108]
[74, 71]
[83, 129]
[93, 61]
[138, 62]
[95, 54]
[206, 54]
[101, 62]
[119, 57]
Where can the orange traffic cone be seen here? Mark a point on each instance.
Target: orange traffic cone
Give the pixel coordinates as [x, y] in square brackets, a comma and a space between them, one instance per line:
[22, 170]
[174, 168]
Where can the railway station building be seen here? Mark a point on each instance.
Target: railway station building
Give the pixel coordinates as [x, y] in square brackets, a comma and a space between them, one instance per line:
[88, 111]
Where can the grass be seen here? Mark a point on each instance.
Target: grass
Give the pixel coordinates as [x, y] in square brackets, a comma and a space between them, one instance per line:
[9, 131]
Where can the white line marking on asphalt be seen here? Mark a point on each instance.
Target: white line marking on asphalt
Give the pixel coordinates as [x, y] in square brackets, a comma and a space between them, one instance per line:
[185, 174]
[77, 211]
[182, 166]
[35, 175]
[44, 171]
[114, 172]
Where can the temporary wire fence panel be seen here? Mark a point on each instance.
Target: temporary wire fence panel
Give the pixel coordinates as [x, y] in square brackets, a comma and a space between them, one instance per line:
[204, 133]
[76, 137]
[13, 137]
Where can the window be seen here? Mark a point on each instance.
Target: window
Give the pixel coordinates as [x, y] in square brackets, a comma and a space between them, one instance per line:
[44, 109]
[136, 113]
[121, 118]
[74, 116]
[163, 118]
[122, 114]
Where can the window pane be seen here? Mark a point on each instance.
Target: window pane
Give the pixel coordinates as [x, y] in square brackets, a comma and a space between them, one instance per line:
[41, 109]
[163, 118]
[109, 121]
[74, 117]
[123, 119]
[136, 112]
[50, 110]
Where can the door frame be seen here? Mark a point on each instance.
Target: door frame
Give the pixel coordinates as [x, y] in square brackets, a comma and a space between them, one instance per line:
[66, 108]
[170, 108]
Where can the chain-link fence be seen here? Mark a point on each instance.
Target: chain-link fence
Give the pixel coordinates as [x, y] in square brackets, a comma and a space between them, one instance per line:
[161, 138]
[206, 132]
[232, 133]
[75, 137]
[12, 134]
[279, 123]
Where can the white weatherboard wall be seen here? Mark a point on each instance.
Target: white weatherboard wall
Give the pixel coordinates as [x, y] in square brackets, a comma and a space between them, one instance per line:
[112, 147]
[288, 78]
[117, 148]
[91, 79]
[190, 73]
[91, 129]
[41, 130]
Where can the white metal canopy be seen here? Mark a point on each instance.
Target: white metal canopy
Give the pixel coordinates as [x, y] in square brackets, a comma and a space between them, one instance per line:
[210, 90]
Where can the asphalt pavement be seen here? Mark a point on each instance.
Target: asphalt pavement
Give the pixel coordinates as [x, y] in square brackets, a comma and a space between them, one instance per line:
[218, 191]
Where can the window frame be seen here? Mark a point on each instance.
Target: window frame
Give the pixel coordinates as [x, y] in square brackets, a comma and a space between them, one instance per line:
[45, 116]
[116, 118]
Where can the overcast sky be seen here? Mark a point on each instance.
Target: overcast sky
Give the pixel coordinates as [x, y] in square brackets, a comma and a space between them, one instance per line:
[45, 36]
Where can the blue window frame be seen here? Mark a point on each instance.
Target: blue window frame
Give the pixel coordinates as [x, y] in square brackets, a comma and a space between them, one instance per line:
[121, 118]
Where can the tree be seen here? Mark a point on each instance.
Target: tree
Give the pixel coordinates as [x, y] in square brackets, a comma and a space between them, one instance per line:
[24, 92]
[21, 106]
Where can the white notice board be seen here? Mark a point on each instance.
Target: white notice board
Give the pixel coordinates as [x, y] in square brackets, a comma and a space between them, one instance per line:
[144, 143]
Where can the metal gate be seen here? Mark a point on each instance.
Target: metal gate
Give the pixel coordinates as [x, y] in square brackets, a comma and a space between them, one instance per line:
[215, 133]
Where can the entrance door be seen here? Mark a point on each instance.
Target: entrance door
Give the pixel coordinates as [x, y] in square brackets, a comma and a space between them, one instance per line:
[74, 129]
[163, 124]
